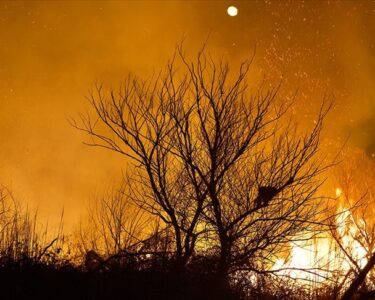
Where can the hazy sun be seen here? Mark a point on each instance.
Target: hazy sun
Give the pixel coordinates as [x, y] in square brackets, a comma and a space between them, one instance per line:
[232, 11]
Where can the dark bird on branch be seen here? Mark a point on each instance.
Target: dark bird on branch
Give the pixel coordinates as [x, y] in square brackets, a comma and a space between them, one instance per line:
[267, 193]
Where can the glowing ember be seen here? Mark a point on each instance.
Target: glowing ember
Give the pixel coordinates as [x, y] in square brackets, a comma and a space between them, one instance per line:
[338, 192]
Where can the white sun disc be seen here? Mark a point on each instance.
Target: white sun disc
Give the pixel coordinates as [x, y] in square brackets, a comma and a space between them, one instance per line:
[232, 11]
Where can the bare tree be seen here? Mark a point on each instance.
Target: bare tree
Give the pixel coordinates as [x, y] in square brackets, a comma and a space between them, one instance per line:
[210, 157]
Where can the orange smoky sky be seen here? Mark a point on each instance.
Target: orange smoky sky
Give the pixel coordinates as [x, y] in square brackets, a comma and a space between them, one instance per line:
[51, 53]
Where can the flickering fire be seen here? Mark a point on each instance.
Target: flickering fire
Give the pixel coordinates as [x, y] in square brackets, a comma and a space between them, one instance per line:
[315, 259]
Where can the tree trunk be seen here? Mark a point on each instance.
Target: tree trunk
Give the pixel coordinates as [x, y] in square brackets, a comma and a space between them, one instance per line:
[223, 266]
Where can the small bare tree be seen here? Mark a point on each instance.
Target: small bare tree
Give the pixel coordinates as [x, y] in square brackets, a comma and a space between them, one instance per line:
[114, 224]
[210, 157]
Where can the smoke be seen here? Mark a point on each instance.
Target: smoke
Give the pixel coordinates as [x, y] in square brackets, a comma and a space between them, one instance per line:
[52, 52]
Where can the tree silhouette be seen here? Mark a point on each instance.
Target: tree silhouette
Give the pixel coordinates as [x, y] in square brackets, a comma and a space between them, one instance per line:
[220, 165]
